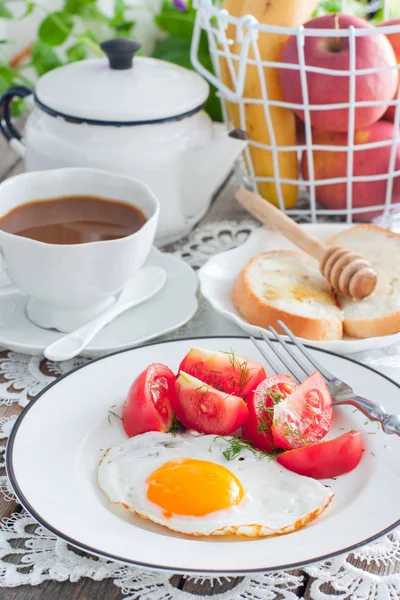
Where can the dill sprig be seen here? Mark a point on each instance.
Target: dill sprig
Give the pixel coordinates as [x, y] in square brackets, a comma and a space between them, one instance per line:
[266, 413]
[236, 445]
[111, 413]
[266, 419]
[176, 426]
[291, 434]
[275, 395]
[245, 374]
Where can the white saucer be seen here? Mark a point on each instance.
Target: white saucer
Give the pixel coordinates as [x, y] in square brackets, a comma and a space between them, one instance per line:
[171, 308]
[220, 271]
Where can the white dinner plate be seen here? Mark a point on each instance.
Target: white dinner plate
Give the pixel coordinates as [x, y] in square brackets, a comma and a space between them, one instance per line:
[172, 307]
[219, 273]
[56, 443]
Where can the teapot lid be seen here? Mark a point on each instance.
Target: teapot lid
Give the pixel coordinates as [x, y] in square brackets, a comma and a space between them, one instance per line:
[121, 89]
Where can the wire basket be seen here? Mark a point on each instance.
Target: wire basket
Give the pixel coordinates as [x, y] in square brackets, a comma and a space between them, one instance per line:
[365, 183]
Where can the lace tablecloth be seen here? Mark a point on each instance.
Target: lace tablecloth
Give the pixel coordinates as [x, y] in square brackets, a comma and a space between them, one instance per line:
[31, 555]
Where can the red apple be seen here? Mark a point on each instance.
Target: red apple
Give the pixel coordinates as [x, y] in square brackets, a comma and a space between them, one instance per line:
[394, 39]
[372, 51]
[372, 161]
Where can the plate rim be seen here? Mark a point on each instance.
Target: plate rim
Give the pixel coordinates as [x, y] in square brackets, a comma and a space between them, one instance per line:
[147, 566]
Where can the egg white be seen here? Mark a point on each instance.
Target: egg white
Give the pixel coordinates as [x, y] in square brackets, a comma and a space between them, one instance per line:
[276, 501]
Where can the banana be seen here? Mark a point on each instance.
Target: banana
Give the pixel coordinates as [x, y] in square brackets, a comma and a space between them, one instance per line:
[287, 13]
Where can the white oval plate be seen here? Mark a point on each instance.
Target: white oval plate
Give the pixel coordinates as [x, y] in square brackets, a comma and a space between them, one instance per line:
[172, 307]
[219, 273]
[56, 443]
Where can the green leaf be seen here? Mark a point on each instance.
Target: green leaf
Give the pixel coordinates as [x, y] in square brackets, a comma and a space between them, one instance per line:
[6, 78]
[89, 40]
[88, 35]
[29, 7]
[175, 50]
[5, 12]
[90, 12]
[122, 26]
[125, 27]
[18, 107]
[328, 6]
[44, 58]
[119, 13]
[213, 105]
[55, 28]
[73, 6]
[177, 24]
[77, 7]
[354, 7]
[76, 52]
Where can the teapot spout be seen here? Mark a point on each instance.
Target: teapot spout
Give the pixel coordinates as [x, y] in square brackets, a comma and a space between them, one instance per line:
[223, 152]
[219, 156]
[206, 168]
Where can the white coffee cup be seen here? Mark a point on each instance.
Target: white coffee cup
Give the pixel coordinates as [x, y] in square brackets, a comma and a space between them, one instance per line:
[69, 284]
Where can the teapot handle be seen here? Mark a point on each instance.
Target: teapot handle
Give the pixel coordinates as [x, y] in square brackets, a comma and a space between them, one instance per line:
[7, 125]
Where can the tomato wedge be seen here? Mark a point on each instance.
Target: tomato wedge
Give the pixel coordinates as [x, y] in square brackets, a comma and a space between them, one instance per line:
[257, 428]
[326, 459]
[224, 371]
[207, 410]
[148, 406]
[305, 417]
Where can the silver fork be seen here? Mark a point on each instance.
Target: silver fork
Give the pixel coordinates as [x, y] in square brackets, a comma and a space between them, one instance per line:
[340, 391]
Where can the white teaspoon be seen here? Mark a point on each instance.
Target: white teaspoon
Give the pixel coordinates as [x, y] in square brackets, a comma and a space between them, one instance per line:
[141, 287]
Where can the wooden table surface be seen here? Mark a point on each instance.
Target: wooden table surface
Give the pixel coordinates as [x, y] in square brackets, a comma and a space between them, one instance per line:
[224, 207]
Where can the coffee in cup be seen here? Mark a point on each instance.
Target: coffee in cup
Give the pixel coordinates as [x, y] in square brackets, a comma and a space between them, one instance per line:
[71, 238]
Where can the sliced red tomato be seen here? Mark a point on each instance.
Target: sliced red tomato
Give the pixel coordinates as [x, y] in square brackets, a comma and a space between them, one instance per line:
[261, 402]
[326, 459]
[224, 371]
[304, 417]
[148, 406]
[207, 410]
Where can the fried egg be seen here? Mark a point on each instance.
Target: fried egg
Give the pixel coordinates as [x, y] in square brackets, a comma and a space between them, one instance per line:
[187, 484]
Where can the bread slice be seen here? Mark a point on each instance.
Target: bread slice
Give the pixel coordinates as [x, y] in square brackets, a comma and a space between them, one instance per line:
[379, 314]
[287, 285]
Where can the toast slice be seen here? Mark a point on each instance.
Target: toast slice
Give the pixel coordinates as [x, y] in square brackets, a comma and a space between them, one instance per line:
[379, 314]
[287, 285]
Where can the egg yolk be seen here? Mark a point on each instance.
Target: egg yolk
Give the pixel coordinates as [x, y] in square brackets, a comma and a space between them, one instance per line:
[187, 486]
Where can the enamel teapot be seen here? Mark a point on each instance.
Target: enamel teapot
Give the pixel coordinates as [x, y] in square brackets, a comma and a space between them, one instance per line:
[137, 116]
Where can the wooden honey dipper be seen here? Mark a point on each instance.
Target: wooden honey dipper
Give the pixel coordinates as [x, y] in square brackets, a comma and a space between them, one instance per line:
[347, 272]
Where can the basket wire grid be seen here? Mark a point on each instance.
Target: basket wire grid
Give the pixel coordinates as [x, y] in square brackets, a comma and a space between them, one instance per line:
[214, 21]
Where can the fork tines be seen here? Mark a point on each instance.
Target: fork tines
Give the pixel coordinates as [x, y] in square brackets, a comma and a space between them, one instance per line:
[304, 361]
